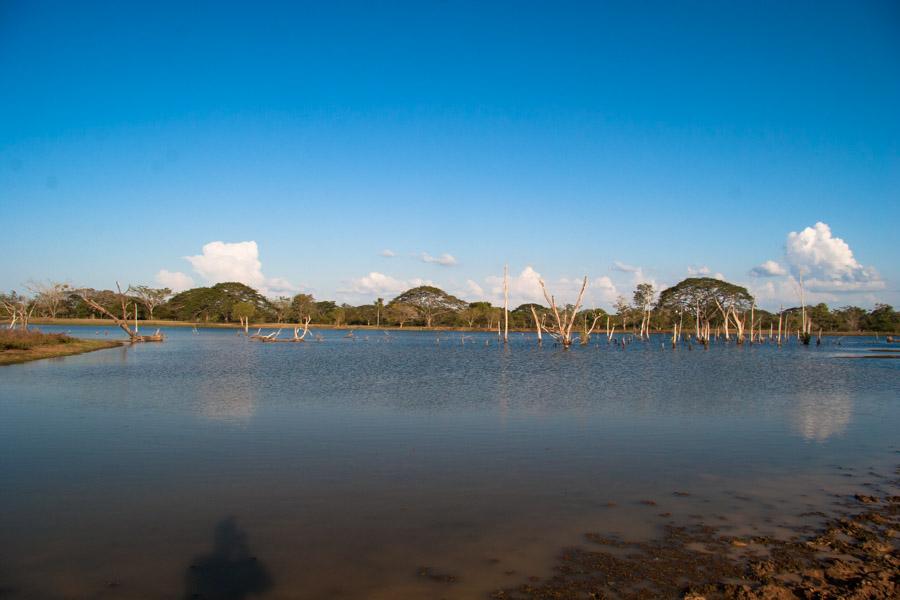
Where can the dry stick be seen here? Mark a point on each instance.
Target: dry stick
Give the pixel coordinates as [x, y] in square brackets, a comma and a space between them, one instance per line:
[537, 324]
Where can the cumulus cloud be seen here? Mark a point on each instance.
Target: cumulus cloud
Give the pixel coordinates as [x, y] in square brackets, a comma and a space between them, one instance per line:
[174, 280]
[234, 261]
[445, 260]
[388, 253]
[473, 290]
[526, 288]
[377, 284]
[826, 262]
[770, 268]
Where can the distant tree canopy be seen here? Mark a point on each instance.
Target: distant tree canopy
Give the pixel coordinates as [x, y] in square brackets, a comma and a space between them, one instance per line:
[431, 306]
[703, 297]
[149, 297]
[430, 302]
[216, 303]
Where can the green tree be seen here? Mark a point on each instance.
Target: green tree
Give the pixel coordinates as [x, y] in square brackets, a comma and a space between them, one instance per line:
[850, 317]
[883, 318]
[217, 303]
[475, 313]
[302, 306]
[430, 302]
[703, 298]
[149, 297]
[401, 313]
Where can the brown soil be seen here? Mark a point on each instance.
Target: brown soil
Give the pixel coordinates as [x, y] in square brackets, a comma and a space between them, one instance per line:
[77, 346]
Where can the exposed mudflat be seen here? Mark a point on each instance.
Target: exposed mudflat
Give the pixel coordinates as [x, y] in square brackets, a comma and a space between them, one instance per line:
[853, 555]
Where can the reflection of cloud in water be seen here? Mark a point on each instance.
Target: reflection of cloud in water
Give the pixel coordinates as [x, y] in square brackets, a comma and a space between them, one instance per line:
[226, 400]
[818, 417]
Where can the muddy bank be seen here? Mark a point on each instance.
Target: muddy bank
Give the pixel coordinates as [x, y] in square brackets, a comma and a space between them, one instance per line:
[855, 555]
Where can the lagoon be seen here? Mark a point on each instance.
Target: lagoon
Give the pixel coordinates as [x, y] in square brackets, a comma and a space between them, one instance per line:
[409, 465]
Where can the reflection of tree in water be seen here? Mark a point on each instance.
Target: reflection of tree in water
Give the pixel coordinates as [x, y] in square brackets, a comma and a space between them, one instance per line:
[230, 572]
[818, 417]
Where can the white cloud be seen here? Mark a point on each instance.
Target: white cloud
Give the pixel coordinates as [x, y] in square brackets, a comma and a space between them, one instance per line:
[377, 284]
[526, 288]
[523, 288]
[174, 280]
[388, 253]
[624, 267]
[445, 260]
[770, 268]
[237, 261]
[473, 290]
[603, 289]
[826, 262]
[703, 271]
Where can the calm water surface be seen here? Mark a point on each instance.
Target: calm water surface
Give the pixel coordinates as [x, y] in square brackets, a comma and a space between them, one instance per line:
[339, 469]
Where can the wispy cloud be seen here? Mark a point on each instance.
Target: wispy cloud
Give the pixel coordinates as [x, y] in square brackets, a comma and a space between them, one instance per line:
[388, 253]
[624, 267]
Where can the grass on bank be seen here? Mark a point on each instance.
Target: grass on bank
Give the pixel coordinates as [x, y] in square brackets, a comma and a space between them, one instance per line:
[17, 346]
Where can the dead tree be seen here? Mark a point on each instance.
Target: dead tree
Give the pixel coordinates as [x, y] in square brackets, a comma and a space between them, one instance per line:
[587, 331]
[538, 324]
[505, 304]
[133, 335]
[562, 330]
[19, 310]
[739, 324]
[299, 338]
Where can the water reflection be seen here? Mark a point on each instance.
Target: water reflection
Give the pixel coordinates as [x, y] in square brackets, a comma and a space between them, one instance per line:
[224, 402]
[230, 571]
[819, 417]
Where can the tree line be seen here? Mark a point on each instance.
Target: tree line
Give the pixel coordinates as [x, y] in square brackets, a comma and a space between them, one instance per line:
[696, 305]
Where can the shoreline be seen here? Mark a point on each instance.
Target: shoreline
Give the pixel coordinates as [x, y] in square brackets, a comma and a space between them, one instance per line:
[168, 323]
[853, 552]
[77, 346]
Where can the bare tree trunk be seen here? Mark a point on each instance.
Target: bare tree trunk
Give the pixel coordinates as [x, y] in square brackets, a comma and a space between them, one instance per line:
[506, 304]
[537, 324]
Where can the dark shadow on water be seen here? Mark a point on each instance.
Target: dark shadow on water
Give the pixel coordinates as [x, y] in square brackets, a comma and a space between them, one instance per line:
[230, 571]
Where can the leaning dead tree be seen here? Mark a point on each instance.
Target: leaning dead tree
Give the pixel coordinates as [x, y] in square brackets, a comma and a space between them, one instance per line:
[561, 330]
[538, 323]
[133, 334]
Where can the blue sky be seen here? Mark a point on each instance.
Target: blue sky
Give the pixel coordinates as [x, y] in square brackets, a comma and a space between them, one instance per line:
[626, 142]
